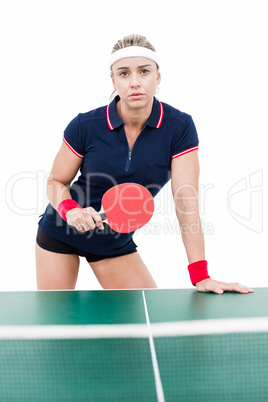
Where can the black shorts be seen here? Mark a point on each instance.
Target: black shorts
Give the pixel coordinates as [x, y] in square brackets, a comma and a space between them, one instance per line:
[48, 243]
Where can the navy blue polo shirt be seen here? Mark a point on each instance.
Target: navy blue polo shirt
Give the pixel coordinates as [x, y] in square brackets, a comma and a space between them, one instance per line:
[98, 138]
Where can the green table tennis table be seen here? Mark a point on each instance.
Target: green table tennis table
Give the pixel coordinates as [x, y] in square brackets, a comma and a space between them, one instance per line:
[133, 345]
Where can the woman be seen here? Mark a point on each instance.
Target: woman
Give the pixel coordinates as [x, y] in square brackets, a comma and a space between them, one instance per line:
[135, 138]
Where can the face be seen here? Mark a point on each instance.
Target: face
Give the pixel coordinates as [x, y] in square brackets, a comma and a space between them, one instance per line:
[135, 79]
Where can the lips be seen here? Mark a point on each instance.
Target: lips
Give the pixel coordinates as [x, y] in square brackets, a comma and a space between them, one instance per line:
[136, 95]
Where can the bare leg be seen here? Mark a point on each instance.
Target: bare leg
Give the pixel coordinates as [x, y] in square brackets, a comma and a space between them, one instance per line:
[123, 272]
[55, 271]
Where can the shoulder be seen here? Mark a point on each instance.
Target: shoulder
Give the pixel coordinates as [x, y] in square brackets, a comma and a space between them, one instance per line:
[87, 118]
[92, 115]
[175, 115]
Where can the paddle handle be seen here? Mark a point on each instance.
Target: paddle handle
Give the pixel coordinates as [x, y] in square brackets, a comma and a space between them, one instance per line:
[103, 216]
[102, 213]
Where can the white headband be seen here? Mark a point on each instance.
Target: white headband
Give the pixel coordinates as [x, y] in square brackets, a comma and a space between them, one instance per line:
[134, 51]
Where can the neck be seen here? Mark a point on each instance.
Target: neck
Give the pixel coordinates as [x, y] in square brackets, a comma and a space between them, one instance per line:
[134, 117]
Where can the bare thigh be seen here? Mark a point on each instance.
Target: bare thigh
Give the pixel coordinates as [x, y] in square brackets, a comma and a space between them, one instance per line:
[125, 272]
[55, 271]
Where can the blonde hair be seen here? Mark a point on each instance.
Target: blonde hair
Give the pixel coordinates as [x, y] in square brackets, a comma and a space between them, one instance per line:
[131, 40]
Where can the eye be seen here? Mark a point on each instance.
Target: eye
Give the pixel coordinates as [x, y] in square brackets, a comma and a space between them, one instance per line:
[145, 71]
[123, 74]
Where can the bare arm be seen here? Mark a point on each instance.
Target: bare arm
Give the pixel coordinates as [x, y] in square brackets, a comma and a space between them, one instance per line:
[64, 170]
[184, 182]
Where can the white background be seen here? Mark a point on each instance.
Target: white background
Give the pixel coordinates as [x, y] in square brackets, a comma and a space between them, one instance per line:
[54, 64]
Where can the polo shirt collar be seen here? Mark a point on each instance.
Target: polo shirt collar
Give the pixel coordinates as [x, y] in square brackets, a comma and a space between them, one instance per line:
[155, 119]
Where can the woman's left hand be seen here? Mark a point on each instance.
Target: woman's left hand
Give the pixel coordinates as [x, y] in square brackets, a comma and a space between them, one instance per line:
[209, 285]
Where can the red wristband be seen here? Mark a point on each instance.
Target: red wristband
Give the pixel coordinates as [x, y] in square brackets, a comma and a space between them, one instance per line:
[65, 206]
[198, 271]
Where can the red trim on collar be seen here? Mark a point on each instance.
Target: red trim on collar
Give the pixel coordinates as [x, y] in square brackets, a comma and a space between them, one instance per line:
[161, 116]
[157, 126]
[108, 118]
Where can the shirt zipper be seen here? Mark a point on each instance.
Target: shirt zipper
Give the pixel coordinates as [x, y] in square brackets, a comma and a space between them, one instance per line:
[128, 161]
[130, 152]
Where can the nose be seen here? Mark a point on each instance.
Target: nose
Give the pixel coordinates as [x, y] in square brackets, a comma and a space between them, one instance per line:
[134, 82]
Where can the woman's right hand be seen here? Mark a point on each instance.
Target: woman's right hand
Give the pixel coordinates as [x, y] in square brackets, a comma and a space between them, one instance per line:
[84, 219]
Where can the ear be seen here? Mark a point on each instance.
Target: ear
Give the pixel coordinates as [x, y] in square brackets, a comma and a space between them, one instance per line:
[113, 81]
[158, 77]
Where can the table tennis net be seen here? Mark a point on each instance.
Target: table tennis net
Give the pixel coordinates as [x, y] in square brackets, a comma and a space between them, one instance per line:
[209, 360]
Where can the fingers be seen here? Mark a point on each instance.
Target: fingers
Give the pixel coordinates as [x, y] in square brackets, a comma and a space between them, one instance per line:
[235, 287]
[232, 287]
[84, 219]
[209, 285]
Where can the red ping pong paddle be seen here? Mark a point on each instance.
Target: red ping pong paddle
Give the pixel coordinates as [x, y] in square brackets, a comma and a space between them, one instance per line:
[127, 207]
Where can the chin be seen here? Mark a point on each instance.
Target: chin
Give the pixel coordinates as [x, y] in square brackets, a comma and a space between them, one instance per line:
[139, 102]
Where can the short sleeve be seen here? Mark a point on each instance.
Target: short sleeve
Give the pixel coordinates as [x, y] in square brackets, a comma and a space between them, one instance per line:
[73, 137]
[186, 139]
